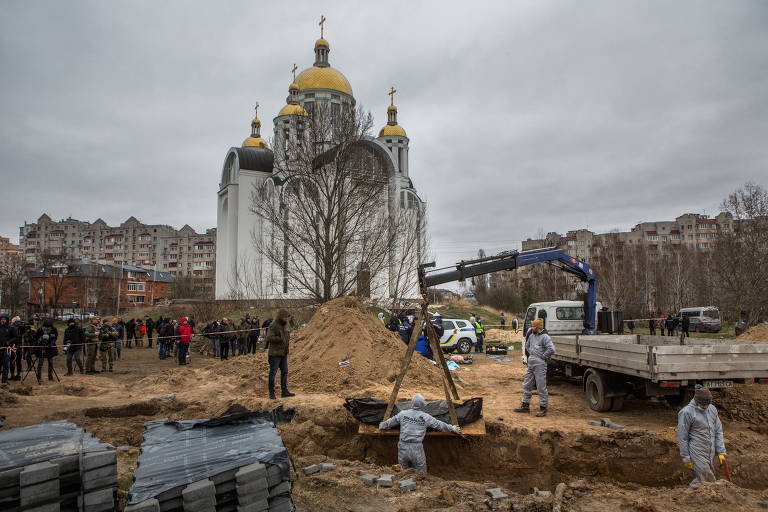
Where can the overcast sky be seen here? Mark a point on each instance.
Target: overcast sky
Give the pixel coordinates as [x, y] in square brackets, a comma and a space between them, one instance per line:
[523, 117]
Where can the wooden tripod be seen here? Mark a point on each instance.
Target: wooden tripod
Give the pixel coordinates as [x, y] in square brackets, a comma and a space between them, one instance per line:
[422, 317]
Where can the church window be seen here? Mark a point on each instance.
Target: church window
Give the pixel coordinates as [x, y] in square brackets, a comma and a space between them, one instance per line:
[335, 96]
[310, 95]
[400, 153]
[309, 107]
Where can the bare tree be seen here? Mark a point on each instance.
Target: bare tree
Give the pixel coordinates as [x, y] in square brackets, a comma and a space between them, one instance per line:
[327, 211]
[13, 277]
[741, 254]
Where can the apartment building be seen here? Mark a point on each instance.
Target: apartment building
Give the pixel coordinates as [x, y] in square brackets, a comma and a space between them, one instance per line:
[84, 286]
[692, 230]
[182, 252]
[8, 250]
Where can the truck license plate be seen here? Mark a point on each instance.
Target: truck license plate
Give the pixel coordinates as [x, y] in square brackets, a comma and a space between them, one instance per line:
[718, 383]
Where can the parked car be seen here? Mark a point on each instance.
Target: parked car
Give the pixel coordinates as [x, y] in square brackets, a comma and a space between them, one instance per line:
[65, 317]
[458, 335]
[702, 319]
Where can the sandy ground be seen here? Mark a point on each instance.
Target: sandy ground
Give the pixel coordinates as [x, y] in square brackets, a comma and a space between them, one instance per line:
[633, 469]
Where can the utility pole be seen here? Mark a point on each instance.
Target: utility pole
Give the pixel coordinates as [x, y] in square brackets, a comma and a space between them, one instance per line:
[119, 280]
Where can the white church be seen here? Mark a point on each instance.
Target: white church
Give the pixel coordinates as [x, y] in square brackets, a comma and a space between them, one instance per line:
[242, 271]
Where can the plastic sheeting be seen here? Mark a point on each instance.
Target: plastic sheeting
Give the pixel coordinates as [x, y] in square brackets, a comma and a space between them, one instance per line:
[177, 453]
[371, 411]
[44, 441]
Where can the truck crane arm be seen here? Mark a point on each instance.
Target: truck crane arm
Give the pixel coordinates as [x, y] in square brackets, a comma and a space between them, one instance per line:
[511, 260]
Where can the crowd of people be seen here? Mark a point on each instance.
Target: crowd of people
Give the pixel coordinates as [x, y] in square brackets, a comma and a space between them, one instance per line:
[103, 340]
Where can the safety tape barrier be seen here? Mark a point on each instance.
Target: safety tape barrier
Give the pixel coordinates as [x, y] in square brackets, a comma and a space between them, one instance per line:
[158, 338]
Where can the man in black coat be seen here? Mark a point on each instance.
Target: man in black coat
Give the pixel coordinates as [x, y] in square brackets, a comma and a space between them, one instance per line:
[74, 341]
[8, 342]
[130, 332]
[45, 339]
[150, 329]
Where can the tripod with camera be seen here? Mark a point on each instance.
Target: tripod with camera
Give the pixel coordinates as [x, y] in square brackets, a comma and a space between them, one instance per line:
[45, 349]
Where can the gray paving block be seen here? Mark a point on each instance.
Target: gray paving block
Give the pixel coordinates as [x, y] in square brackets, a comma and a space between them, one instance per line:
[407, 485]
[92, 484]
[327, 466]
[247, 499]
[204, 503]
[256, 506]
[226, 487]
[37, 493]
[50, 507]
[496, 494]
[251, 472]
[36, 473]
[151, 505]
[223, 477]
[67, 463]
[281, 488]
[368, 479]
[311, 470]
[285, 506]
[254, 486]
[10, 478]
[174, 504]
[101, 472]
[275, 475]
[99, 459]
[99, 499]
[198, 490]
[385, 480]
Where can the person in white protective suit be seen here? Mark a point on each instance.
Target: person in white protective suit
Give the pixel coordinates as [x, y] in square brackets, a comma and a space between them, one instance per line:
[700, 436]
[413, 427]
[537, 349]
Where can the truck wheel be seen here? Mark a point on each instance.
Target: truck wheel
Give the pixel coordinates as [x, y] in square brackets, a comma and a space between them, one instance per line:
[595, 388]
[464, 346]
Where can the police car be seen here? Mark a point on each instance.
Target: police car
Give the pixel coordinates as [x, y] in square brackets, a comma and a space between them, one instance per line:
[458, 335]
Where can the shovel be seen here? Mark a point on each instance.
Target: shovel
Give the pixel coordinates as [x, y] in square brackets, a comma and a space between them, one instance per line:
[726, 470]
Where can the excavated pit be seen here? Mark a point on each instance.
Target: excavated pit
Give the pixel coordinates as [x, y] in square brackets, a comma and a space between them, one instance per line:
[516, 458]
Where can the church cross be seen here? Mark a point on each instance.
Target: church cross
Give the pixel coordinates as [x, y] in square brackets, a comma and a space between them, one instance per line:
[391, 94]
[322, 22]
[256, 108]
[294, 71]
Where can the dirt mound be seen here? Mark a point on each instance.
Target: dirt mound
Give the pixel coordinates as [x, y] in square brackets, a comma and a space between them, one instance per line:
[755, 333]
[744, 403]
[344, 330]
[505, 336]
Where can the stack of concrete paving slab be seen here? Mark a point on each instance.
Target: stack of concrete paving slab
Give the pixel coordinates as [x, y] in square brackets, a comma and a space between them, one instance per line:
[234, 463]
[56, 467]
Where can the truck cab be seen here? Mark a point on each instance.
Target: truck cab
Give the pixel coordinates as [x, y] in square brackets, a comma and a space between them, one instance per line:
[560, 317]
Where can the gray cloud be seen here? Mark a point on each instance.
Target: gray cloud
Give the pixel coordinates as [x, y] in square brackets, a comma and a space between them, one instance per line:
[523, 116]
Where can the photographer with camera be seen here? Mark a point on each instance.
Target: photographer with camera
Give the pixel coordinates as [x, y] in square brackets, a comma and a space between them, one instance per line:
[74, 339]
[8, 342]
[45, 341]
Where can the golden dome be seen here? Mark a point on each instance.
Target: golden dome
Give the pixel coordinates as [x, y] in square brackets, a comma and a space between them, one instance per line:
[292, 109]
[255, 122]
[293, 86]
[391, 108]
[392, 129]
[254, 142]
[323, 78]
[322, 42]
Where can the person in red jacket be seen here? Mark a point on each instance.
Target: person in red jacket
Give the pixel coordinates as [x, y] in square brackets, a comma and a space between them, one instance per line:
[185, 336]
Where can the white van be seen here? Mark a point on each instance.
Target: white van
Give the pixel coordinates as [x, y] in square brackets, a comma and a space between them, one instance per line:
[560, 316]
[703, 319]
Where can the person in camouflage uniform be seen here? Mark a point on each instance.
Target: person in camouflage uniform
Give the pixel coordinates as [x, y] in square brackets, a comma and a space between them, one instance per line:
[107, 345]
[92, 335]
